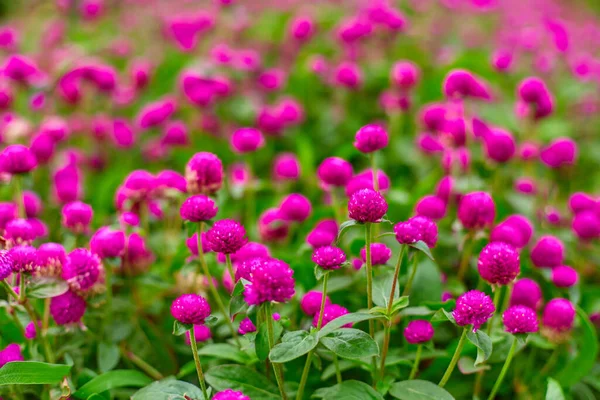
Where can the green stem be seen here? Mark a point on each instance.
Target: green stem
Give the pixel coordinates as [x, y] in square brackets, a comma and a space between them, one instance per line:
[109, 292]
[497, 296]
[374, 170]
[229, 267]
[507, 295]
[197, 361]
[415, 367]
[466, 255]
[19, 195]
[413, 272]
[335, 205]
[10, 290]
[455, 358]
[143, 365]
[368, 239]
[21, 287]
[276, 367]
[338, 373]
[504, 370]
[395, 279]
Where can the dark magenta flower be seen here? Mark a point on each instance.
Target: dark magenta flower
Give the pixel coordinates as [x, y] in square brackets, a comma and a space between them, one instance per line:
[19, 231]
[320, 237]
[560, 152]
[380, 254]
[564, 276]
[295, 207]
[548, 252]
[77, 216]
[271, 225]
[301, 28]
[175, 133]
[526, 292]
[17, 159]
[371, 138]
[559, 316]
[311, 302]
[67, 308]
[335, 171]
[33, 204]
[82, 270]
[24, 258]
[108, 243]
[476, 210]
[499, 263]
[10, 353]
[520, 319]
[202, 333]
[204, 173]
[6, 264]
[331, 312]
[8, 212]
[473, 308]
[500, 145]
[329, 257]
[247, 140]
[580, 201]
[50, 259]
[30, 331]
[432, 207]
[286, 167]
[586, 225]
[349, 75]
[405, 74]
[246, 326]
[460, 83]
[226, 236]
[198, 208]
[415, 229]
[367, 205]
[230, 394]
[190, 309]
[271, 280]
[418, 331]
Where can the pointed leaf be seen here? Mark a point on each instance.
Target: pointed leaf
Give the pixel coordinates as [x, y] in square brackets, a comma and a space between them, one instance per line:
[382, 286]
[483, 343]
[419, 390]
[262, 342]
[179, 328]
[112, 379]
[344, 227]
[44, 288]
[244, 379]
[169, 389]
[422, 247]
[350, 343]
[293, 345]
[108, 356]
[32, 373]
[467, 366]
[554, 391]
[399, 304]
[343, 320]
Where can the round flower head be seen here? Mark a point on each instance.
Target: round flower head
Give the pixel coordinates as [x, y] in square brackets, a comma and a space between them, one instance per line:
[405, 74]
[473, 308]
[580, 201]
[364, 180]
[311, 302]
[5, 264]
[190, 309]
[247, 140]
[137, 256]
[371, 138]
[476, 210]
[67, 308]
[564, 276]
[226, 236]
[506, 233]
[559, 315]
[8, 212]
[560, 152]
[246, 326]
[329, 257]
[271, 226]
[82, 270]
[50, 259]
[330, 313]
[168, 183]
[10, 353]
[431, 207]
[348, 74]
[367, 205]
[499, 263]
[17, 159]
[335, 171]
[201, 333]
[286, 167]
[230, 394]
[271, 280]
[548, 252]
[500, 145]
[301, 28]
[30, 331]
[418, 331]
[139, 185]
[24, 258]
[251, 250]
[108, 243]
[198, 208]
[526, 292]
[204, 173]
[295, 207]
[77, 216]
[520, 319]
[319, 238]
[460, 83]
[380, 254]
[32, 203]
[19, 231]
[415, 229]
[586, 225]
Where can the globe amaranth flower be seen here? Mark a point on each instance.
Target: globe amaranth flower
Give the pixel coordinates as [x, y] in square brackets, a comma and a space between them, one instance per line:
[564, 276]
[330, 313]
[319, 238]
[198, 208]
[473, 308]
[367, 205]
[30, 331]
[335, 171]
[77, 216]
[271, 226]
[548, 252]
[286, 167]
[526, 292]
[230, 394]
[476, 210]
[580, 201]
[415, 229]
[19, 231]
[226, 236]
[24, 258]
[201, 333]
[418, 331]
[204, 173]
[329, 257]
[17, 159]
[10, 353]
[561, 152]
[586, 225]
[108, 243]
[67, 308]
[520, 319]
[50, 259]
[190, 309]
[311, 302]
[33, 204]
[271, 280]
[405, 75]
[558, 318]
[6, 264]
[246, 326]
[431, 207]
[82, 270]
[364, 180]
[8, 212]
[247, 140]
[499, 263]
[137, 255]
[371, 138]
[380, 254]
[295, 207]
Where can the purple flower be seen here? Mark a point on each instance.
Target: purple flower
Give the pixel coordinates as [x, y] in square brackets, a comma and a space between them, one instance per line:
[198, 208]
[329, 257]
[520, 319]
[526, 292]
[247, 140]
[19, 232]
[367, 205]
[226, 236]
[431, 207]
[330, 313]
[500, 145]
[499, 263]
[560, 152]
[371, 138]
[201, 333]
[559, 315]
[272, 226]
[50, 259]
[295, 207]
[301, 28]
[286, 167]
[77, 216]
[311, 302]
[271, 280]
[10, 353]
[548, 252]
[534, 94]
[24, 258]
[460, 83]
[138, 256]
[564, 276]
[175, 133]
[246, 326]
[586, 225]
[320, 237]
[230, 394]
[380, 254]
[190, 309]
[8, 212]
[6, 264]
[473, 308]
[418, 331]
[82, 270]
[476, 210]
[580, 201]
[107, 243]
[415, 229]
[515, 230]
[348, 74]
[405, 75]
[32, 203]
[204, 173]
[67, 308]
[156, 113]
[30, 331]
[335, 171]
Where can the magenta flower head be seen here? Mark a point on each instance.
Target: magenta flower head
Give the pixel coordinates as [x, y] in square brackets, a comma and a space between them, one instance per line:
[156, 113]
[348, 74]
[30, 331]
[335, 171]
[10, 353]
[67, 308]
[405, 75]
[202, 333]
[82, 270]
[433, 116]
[558, 318]
[138, 256]
[302, 28]
[559, 152]
[33, 204]
[431, 207]
[50, 259]
[320, 237]
[536, 96]
[271, 79]
[175, 133]
[564, 276]
[586, 225]
[311, 302]
[19, 231]
[272, 280]
[198, 208]
[516, 225]
[230, 394]
[499, 263]
[17, 159]
[77, 216]
[580, 201]
[246, 326]
[415, 229]
[168, 182]
[6, 264]
[286, 167]
[502, 60]
[380, 254]
[226, 236]
[247, 140]
[520, 319]
[367, 205]
[460, 83]
[295, 207]
[8, 212]
[190, 309]
[371, 138]
[271, 226]
[329, 257]
[526, 292]
[24, 258]
[473, 308]
[500, 145]
[476, 210]
[548, 252]
[330, 313]
[204, 173]
[418, 331]
[107, 243]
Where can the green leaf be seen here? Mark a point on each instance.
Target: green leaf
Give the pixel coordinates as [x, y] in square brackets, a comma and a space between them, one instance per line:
[382, 286]
[583, 362]
[467, 366]
[113, 379]
[179, 328]
[351, 390]
[237, 305]
[350, 343]
[225, 351]
[422, 247]
[554, 391]
[191, 228]
[319, 273]
[262, 342]
[483, 343]
[443, 315]
[238, 289]
[386, 234]
[169, 389]
[211, 321]
[32, 373]
[43, 288]
[108, 356]
[244, 379]
[343, 320]
[293, 345]
[419, 390]
[399, 304]
[344, 227]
